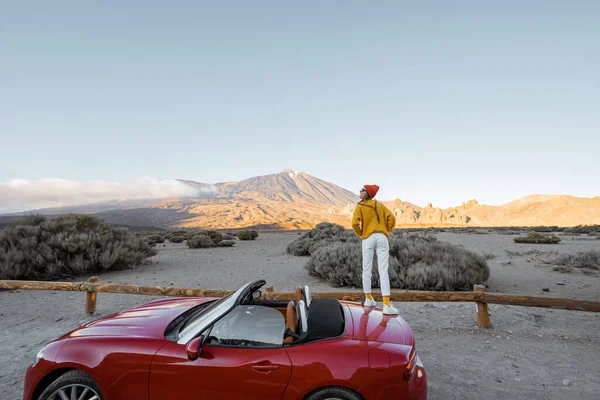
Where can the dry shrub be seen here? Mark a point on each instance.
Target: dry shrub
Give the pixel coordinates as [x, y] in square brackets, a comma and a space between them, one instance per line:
[422, 237]
[324, 234]
[154, 239]
[588, 260]
[589, 272]
[537, 238]
[170, 235]
[508, 232]
[247, 235]
[226, 243]
[38, 248]
[583, 229]
[562, 269]
[227, 236]
[398, 232]
[417, 263]
[547, 229]
[200, 241]
[176, 239]
[214, 235]
[513, 253]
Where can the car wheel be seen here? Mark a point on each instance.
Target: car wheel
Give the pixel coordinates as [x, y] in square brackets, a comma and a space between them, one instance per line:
[72, 385]
[334, 393]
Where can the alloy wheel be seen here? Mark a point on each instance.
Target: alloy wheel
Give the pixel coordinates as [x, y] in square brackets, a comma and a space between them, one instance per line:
[74, 392]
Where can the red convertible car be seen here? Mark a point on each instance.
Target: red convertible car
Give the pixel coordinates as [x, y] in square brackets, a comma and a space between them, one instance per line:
[236, 347]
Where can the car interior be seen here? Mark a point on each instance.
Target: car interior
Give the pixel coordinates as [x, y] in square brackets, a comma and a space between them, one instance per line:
[306, 319]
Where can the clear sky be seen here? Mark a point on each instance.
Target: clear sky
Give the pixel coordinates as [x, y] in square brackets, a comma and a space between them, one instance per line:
[435, 101]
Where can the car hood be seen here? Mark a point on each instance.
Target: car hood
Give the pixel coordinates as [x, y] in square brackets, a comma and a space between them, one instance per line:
[370, 324]
[148, 320]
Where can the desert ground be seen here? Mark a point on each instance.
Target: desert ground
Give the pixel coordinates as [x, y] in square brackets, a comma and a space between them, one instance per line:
[529, 353]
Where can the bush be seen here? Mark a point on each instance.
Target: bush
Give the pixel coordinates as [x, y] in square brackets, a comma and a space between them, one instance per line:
[422, 237]
[324, 234]
[154, 239]
[38, 248]
[226, 243]
[417, 264]
[151, 237]
[398, 232]
[189, 235]
[172, 234]
[247, 235]
[176, 239]
[508, 232]
[227, 236]
[583, 229]
[589, 260]
[562, 269]
[200, 241]
[214, 235]
[546, 229]
[537, 238]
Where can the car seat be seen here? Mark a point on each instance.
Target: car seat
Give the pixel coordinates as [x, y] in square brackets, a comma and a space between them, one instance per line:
[291, 323]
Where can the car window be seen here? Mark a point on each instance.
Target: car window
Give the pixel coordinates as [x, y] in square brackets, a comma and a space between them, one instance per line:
[212, 311]
[248, 326]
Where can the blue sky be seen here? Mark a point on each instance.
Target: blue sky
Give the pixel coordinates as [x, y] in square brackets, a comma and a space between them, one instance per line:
[435, 102]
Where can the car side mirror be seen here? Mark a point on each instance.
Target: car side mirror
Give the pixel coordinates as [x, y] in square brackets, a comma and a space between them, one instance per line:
[194, 347]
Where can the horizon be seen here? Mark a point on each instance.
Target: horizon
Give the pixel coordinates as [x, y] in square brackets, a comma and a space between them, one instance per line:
[170, 188]
[438, 103]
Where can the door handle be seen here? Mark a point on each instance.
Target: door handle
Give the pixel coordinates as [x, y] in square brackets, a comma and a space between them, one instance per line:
[265, 368]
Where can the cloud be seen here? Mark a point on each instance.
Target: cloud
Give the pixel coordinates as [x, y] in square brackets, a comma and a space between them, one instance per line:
[20, 195]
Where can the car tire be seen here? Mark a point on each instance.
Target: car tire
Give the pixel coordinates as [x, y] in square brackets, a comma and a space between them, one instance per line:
[334, 393]
[72, 380]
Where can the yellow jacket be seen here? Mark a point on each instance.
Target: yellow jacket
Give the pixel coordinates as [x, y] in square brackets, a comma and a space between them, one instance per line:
[370, 217]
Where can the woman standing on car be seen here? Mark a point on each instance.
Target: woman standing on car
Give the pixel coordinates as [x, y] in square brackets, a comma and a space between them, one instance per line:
[372, 222]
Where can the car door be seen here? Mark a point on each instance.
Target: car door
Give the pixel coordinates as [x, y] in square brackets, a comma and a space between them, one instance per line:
[242, 358]
[219, 373]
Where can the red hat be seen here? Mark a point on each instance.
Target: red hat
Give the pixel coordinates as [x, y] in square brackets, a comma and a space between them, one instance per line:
[371, 190]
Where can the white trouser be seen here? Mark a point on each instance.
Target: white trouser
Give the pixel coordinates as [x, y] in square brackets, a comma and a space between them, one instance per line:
[376, 242]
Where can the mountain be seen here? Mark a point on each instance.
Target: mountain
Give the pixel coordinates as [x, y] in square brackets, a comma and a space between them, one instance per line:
[534, 210]
[284, 200]
[295, 200]
[289, 186]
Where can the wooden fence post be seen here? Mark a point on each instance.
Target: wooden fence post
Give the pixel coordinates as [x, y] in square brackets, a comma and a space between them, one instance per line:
[483, 317]
[90, 297]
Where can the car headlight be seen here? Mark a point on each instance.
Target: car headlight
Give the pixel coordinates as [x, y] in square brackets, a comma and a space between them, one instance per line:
[39, 355]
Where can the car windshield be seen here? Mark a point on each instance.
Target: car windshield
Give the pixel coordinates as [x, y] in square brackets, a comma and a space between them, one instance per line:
[216, 308]
[213, 313]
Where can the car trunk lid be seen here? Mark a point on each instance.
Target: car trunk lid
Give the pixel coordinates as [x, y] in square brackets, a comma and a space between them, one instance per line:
[370, 324]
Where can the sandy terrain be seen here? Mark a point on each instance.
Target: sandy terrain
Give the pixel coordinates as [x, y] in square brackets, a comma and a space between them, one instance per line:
[529, 353]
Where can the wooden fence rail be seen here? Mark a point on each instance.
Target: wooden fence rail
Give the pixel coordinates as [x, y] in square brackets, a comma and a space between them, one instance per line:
[478, 295]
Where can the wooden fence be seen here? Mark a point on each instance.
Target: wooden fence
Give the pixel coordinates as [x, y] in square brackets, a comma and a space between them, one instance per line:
[478, 295]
